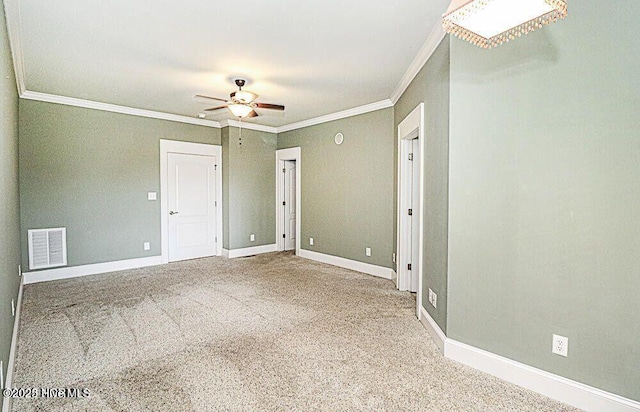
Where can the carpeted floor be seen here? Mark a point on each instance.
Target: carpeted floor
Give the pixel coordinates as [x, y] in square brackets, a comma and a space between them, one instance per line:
[268, 333]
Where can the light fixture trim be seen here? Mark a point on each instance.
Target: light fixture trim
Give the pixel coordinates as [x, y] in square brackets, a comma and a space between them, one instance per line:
[489, 23]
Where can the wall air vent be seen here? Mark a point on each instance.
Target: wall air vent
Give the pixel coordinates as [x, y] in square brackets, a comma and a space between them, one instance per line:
[47, 248]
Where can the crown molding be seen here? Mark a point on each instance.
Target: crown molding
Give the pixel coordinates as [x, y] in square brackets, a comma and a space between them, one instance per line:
[250, 126]
[428, 48]
[12, 17]
[89, 104]
[383, 104]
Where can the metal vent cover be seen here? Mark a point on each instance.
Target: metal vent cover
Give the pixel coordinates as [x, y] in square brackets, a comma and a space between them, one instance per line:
[47, 248]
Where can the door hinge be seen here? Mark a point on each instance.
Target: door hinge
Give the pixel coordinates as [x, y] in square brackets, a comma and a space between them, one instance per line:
[216, 239]
[284, 236]
[284, 203]
[410, 156]
[409, 266]
[215, 167]
[215, 203]
[284, 170]
[410, 212]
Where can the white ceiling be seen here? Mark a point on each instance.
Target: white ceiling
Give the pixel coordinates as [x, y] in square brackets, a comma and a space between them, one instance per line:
[315, 57]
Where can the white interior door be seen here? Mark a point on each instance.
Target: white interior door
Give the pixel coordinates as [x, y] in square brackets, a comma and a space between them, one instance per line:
[192, 206]
[289, 204]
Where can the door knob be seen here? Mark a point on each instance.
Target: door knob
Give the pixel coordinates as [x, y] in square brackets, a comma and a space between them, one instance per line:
[173, 213]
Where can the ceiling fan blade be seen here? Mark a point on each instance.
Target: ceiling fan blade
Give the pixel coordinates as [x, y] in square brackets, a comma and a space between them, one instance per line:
[215, 108]
[252, 113]
[209, 97]
[269, 106]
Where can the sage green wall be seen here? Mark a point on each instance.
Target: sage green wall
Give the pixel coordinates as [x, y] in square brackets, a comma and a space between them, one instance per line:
[545, 196]
[225, 187]
[250, 173]
[347, 190]
[9, 201]
[431, 86]
[90, 171]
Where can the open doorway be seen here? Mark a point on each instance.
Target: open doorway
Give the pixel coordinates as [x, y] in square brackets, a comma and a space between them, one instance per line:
[410, 203]
[288, 199]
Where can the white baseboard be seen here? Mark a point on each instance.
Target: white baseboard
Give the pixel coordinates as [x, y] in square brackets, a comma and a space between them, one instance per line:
[554, 386]
[379, 271]
[13, 351]
[438, 336]
[85, 270]
[248, 251]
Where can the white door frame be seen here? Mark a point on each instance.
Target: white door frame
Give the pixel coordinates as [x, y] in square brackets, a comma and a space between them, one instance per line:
[408, 129]
[293, 153]
[174, 146]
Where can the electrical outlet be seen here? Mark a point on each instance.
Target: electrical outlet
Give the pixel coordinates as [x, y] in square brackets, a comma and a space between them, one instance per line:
[393, 257]
[560, 345]
[1, 374]
[19, 270]
[311, 241]
[152, 196]
[13, 308]
[252, 237]
[146, 246]
[367, 251]
[433, 298]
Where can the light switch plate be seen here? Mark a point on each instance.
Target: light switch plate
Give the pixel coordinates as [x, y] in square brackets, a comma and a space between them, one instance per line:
[311, 241]
[252, 237]
[146, 246]
[152, 196]
[367, 251]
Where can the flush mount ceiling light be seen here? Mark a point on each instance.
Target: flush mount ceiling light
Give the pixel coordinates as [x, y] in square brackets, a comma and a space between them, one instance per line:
[489, 23]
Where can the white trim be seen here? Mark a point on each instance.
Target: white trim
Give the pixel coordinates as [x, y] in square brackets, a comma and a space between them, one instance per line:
[107, 107]
[428, 48]
[438, 336]
[86, 270]
[174, 146]
[12, 17]
[368, 268]
[250, 126]
[557, 387]
[248, 251]
[14, 348]
[294, 153]
[383, 104]
[406, 131]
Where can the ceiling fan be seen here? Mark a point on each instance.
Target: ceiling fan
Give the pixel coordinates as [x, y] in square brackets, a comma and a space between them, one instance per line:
[241, 103]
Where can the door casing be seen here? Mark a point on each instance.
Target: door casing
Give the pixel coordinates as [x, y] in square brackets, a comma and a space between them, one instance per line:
[410, 128]
[293, 153]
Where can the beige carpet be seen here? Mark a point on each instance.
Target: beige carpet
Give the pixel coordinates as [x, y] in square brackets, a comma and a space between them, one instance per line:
[267, 333]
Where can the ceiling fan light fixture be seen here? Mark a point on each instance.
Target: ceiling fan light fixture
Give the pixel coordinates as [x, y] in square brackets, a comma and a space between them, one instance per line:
[489, 23]
[240, 110]
[244, 96]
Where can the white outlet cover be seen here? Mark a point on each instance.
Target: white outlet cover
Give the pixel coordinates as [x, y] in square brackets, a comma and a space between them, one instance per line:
[146, 246]
[367, 251]
[311, 241]
[152, 196]
[560, 345]
[252, 237]
[1, 374]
